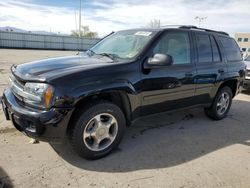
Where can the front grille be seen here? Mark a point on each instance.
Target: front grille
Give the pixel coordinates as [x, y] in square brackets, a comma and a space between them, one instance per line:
[17, 87]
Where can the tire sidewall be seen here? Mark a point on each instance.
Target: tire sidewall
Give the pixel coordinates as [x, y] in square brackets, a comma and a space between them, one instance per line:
[81, 123]
[214, 109]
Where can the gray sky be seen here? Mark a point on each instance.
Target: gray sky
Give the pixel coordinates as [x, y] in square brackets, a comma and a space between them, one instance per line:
[111, 15]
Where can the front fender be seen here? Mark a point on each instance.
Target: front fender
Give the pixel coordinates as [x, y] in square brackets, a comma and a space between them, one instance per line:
[129, 97]
[104, 86]
[74, 95]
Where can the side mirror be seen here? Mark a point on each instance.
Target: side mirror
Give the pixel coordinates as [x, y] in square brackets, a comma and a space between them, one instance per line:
[159, 60]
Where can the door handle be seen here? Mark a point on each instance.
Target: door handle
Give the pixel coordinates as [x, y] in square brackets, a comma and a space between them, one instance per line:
[221, 71]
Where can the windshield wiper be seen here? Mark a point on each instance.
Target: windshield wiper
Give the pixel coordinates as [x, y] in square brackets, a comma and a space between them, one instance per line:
[111, 56]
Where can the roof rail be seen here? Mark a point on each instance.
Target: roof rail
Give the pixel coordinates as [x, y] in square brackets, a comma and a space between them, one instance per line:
[202, 29]
[171, 26]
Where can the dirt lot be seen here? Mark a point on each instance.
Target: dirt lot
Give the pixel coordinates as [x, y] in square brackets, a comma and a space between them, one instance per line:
[182, 149]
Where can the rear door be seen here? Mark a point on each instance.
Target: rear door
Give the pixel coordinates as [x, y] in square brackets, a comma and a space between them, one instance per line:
[210, 66]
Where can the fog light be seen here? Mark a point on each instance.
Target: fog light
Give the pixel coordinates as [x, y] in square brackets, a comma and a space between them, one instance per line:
[31, 128]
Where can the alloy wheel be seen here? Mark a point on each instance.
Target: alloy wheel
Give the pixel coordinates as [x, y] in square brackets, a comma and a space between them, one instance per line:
[100, 132]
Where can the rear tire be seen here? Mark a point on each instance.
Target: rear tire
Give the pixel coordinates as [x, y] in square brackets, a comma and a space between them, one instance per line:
[221, 104]
[98, 129]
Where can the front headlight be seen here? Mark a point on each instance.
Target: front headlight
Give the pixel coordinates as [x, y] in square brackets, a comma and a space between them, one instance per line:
[38, 94]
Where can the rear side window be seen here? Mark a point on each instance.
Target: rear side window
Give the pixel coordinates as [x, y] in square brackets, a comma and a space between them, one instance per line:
[216, 53]
[231, 49]
[204, 48]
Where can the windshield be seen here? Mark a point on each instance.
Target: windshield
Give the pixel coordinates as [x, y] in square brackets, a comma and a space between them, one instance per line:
[123, 44]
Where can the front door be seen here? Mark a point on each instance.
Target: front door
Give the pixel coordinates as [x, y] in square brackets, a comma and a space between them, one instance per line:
[172, 86]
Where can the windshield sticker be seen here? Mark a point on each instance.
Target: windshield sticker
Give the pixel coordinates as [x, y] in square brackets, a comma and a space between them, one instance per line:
[143, 33]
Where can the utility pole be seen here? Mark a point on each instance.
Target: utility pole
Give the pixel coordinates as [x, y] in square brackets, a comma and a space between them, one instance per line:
[80, 18]
[200, 19]
[76, 22]
[80, 23]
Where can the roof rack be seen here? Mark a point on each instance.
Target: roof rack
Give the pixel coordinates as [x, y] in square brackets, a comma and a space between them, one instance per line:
[202, 29]
[171, 26]
[194, 28]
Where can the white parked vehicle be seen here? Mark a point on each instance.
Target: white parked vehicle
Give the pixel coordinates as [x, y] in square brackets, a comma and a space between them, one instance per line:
[247, 79]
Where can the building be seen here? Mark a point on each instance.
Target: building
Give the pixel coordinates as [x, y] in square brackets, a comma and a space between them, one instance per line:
[243, 40]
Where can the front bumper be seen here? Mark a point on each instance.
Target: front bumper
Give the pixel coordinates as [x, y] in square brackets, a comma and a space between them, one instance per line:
[49, 126]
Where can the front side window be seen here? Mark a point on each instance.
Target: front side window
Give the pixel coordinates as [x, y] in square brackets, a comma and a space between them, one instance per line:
[204, 48]
[124, 44]
[176, 45]
[231, 49]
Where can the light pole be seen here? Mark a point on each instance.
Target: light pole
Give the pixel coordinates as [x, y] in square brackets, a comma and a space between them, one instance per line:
[200, 19]
[80, 18]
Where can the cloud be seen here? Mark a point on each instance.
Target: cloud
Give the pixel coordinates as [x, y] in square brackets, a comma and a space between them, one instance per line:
[112, 15]
[35, 17]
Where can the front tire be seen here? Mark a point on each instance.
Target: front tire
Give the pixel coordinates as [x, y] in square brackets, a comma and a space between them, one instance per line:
[98, 130]
[221, 104]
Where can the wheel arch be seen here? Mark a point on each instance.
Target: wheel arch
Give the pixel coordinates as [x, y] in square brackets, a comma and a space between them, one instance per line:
[232, 84]
[118, 97]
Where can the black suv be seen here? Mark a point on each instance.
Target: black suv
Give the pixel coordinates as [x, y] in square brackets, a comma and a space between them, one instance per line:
[92, 97]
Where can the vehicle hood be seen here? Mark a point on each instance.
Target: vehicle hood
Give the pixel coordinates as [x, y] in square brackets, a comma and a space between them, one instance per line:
[54, 67]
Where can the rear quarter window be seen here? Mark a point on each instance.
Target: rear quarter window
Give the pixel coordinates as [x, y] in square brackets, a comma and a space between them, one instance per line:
[231, 49]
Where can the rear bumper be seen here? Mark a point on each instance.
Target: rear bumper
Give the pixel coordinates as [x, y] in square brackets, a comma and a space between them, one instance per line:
[49, 126]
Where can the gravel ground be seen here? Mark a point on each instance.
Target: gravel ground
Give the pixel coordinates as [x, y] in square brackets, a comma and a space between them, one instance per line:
[182, 149]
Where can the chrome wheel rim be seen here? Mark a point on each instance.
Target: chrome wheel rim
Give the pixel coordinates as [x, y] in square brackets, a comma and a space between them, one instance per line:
[100, 132]
[223, 103]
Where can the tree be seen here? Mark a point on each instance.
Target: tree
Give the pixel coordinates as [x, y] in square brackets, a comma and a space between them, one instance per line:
[154, 23]
[85, 32]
